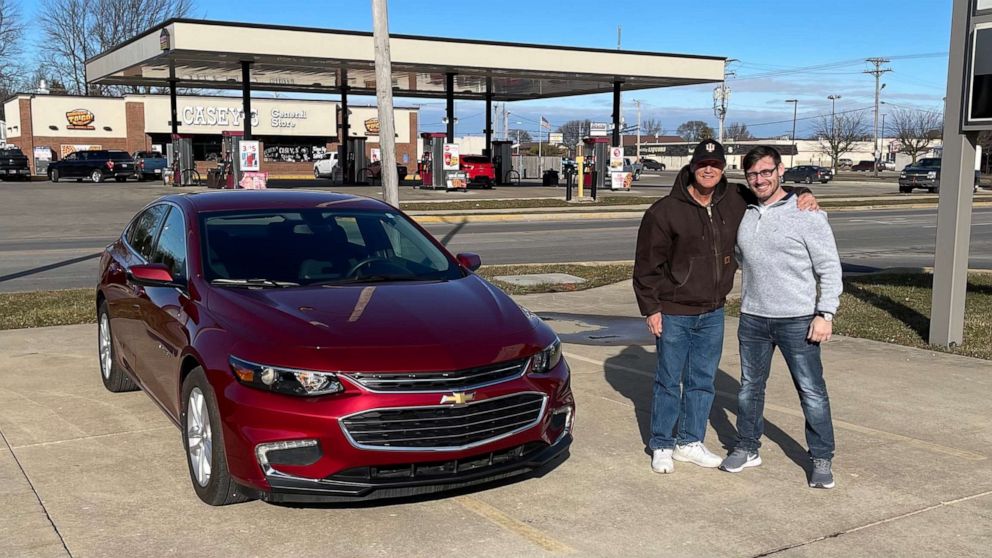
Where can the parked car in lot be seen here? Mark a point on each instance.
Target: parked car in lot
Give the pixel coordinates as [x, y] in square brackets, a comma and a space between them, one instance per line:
[807, 174]
[13, 164]
[479, 170]
[358, 359]
[150, 164]
[651, 164]
[887, 165]
[863, 166]
[324, 167]
[373, 172]
[95, 165]
[844, 163]
[925, 174]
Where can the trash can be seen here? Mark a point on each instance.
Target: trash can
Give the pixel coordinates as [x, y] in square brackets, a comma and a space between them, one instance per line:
[213, 178]
[550, 178]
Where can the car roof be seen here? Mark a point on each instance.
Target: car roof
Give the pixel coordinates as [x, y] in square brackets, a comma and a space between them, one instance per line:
[234, 200]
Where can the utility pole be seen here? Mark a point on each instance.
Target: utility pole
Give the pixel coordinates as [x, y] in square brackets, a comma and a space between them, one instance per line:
[721, 97]
[833, 134]
[384, 98]
[638, 104]
[506, 123]
[795, 108]
[618, 37]
[877, 72]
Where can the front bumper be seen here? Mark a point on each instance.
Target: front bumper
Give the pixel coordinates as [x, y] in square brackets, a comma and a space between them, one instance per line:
[918, 182]
[350, 468]
[415, 479]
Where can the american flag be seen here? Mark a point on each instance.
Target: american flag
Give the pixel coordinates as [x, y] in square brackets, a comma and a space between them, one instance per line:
[545, 124]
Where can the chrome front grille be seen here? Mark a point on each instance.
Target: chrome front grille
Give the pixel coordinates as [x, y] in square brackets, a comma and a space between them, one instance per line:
[459, 380]
[444, 427]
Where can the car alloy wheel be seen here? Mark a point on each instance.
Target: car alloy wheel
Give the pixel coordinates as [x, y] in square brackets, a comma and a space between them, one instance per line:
[114, 377]
[199, 437]
[316, 173]
[54, 175]
[97, 176]
[106, 355]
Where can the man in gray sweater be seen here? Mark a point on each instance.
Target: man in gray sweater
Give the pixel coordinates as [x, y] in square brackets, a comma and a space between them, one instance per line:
[784, 253]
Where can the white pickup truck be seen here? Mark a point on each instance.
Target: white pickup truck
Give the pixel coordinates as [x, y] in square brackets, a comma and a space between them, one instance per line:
[324, 167]
[633, 166]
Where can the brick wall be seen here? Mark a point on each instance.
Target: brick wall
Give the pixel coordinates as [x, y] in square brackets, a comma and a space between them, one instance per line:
[137, 139]
[27, 140]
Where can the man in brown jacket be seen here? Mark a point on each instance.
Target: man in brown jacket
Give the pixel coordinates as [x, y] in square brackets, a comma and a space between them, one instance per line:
[683, 270]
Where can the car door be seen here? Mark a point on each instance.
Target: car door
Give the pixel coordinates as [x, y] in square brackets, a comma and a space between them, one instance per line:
[124, 306]
[68, 164]
[164, 313]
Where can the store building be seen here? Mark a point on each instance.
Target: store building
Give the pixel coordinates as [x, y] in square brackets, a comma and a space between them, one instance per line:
[293, 132]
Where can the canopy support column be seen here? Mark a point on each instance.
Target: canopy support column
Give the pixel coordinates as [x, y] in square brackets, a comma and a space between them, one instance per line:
[246, 96]
[616, 113]
[488, 151]
[346, 176]
[449, 98]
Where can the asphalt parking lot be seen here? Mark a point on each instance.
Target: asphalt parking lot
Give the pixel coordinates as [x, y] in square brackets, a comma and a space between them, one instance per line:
[88, 473]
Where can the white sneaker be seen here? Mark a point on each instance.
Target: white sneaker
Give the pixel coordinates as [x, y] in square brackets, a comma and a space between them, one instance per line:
[661, 461]
[696, 453]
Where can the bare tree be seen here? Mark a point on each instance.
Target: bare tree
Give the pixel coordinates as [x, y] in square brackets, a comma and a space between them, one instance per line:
[520, 136]
[837, 137]
[11, 31]
[652, 127]
[916, 130]
[573, 131]
[75, 30]
[738, 132]
[694, 130]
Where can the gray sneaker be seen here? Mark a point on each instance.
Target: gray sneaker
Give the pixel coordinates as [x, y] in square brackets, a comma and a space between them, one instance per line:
[822, 476]
[739, 459]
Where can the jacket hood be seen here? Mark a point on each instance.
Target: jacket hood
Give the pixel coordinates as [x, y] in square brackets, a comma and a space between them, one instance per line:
[680, 189]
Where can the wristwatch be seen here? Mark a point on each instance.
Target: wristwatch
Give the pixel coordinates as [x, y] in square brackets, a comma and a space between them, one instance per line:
[826, 316]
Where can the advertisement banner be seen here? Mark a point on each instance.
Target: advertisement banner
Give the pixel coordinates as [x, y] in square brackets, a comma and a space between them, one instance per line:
[556, 137]
[620, 180]
[375, 155]
[254, 180]
[67, 149]
[616, 158]
[456, 181]
[248, 155]
[451, 157]
[598, 128]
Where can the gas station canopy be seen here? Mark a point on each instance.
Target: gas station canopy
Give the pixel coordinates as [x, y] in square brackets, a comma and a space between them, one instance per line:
[209, 54]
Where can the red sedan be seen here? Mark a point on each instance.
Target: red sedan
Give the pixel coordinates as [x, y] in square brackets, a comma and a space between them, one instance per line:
[324, 347]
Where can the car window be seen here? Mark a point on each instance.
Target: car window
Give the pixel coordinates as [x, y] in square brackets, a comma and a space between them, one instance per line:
[171, 246]
[141, 235]
[317, 246]
[474, 159]
[929, 163]
[71, 157]
[119, 156]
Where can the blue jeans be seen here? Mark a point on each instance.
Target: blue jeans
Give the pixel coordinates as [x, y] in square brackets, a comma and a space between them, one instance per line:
[758, 338]
[689, 352]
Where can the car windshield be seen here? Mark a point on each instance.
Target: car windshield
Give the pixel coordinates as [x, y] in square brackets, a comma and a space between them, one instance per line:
[934, 163]
[288, 248]
[11, 153]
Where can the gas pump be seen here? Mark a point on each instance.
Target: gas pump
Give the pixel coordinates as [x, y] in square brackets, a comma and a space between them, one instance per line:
[431, 165]
[502, 161]
[356, 162]
[231, 165]
[597, 159]
[180, 160]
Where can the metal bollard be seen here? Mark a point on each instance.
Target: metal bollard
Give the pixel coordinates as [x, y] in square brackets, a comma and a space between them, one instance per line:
[568, 185]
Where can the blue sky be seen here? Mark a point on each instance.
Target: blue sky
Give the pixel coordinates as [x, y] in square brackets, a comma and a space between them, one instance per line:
[799, 49]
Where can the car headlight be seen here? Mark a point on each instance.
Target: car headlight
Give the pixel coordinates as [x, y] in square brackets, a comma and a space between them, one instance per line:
[903, 175]
[932, 174]
[285, 380]
[545, 361]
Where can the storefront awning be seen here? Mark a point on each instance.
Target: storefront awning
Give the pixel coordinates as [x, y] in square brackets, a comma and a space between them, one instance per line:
[208, 54]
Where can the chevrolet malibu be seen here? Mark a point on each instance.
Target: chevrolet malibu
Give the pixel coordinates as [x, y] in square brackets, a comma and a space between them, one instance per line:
[324, 347]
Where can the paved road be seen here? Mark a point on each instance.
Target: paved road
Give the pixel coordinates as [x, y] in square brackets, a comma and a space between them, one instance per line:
[51, 234]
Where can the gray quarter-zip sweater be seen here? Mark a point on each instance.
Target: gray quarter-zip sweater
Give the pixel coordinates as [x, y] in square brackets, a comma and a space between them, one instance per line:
[783, 252]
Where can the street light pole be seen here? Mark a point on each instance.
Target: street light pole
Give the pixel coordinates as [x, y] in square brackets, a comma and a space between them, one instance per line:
[833, 123]
[795, 108]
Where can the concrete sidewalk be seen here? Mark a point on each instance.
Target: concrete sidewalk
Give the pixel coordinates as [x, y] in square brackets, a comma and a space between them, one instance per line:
[88, 473]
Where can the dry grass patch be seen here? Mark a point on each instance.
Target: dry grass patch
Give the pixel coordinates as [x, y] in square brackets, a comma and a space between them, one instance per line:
[595, 276]
[47, 308]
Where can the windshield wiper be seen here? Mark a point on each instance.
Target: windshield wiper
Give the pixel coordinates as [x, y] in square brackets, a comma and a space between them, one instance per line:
[370, 279]
[254, 282]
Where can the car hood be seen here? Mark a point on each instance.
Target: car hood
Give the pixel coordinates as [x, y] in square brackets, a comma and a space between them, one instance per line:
[447, 325]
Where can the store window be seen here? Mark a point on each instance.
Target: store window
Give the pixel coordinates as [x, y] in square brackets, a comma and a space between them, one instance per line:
[294, 150]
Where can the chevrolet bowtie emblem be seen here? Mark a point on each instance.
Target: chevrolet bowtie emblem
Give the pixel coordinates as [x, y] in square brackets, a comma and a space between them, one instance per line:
[458, 398]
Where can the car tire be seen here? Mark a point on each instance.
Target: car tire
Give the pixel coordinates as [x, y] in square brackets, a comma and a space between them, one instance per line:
[824, 181]
[905, 190]
[96, 176]
[933, 190]
[120, 178]
[141, 177]
[114, 377]
[637, 176]
[206, 459]
[809, 180]
[316, 173]
[53, 175]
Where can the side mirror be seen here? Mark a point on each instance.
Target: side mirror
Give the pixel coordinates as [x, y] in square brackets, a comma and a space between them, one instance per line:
[471, 262]
[151, 275]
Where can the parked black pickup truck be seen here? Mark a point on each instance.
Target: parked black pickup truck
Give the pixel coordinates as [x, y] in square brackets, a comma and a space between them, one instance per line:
[13, 164]
[95, 165]
[925, 174]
